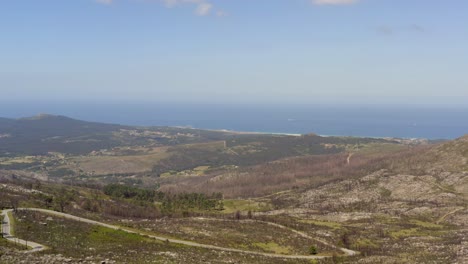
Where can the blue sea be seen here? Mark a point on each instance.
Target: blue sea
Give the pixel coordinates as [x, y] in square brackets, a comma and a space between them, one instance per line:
[353, 120]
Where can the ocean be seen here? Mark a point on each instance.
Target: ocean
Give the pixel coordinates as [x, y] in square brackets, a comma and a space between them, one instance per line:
[353, 120]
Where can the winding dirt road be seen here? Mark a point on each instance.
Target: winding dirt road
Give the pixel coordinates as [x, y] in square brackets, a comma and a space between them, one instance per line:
[6, 232]
[348, 252]
[38, 247]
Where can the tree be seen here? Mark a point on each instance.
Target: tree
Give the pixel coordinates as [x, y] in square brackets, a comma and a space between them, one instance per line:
[313, 250]
[237, 215]
[345, 239]
[63, 199]
[14, 202]
[45, 199]
[26, 235]
[37, 184]
[220, 205]
[249, 214]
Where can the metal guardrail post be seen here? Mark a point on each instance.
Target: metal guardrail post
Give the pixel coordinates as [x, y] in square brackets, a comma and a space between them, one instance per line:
[1, 224]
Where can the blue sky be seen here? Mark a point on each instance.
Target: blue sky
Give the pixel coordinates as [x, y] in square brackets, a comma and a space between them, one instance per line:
[295, 51]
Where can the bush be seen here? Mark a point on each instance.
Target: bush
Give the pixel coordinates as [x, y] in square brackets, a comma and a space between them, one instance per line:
[124, 191]
[313, 250]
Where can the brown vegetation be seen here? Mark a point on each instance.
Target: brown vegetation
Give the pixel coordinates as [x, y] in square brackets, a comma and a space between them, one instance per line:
[295, 173]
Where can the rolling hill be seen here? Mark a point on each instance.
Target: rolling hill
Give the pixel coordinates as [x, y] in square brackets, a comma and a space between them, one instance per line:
[274, 197]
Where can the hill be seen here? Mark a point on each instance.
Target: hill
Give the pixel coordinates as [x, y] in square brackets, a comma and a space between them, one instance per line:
[273, 197]
[48, 133]
[44, 133]
[61, 146]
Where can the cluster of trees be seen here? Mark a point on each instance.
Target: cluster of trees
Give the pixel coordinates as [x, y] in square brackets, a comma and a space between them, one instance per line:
[258, 149]
[129, 201]
[130, 192]
[300, 172]
[127, 210]
[192, 201]
[169, 202]
[58, 201]
[19, 165]
[61, 172]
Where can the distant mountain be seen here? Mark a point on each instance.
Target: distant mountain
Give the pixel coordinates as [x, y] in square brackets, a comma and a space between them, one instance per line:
[43, 133]
[50, 125]
[5, 121]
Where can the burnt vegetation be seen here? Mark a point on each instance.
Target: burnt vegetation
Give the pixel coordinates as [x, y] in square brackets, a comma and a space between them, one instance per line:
[300, 173]
[391, 200]
[249, 150]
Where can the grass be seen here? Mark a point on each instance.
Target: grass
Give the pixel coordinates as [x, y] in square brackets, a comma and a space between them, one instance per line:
[245, 235]
[214, 145]
[364, 243]
[412, 232]
[80, 240]
[119, 164]
[376, 148]
[201, 168]
[12, 223]
[10, 245]
[332, 225]
[105, 235]
[234, 205]
[417, 228]
[103, 165]
[198, 171]
[24, 159]
[273, 247]
[424, 224]
[74, 238]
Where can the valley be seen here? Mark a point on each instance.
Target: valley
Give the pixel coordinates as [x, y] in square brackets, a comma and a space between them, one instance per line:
[178, 195]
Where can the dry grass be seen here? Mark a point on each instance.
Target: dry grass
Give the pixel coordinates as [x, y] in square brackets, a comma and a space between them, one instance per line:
[285, 174]
[102, 165]
[240, 234]
[79, 241]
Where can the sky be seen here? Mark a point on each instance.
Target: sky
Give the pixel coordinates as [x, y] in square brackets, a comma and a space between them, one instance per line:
[228, 51]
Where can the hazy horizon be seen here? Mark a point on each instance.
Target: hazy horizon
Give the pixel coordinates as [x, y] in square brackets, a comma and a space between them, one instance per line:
[405, 121]
[230, 131]
[319, 51]
[339, 67]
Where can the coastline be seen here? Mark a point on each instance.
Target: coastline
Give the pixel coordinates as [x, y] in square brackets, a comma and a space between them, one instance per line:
[414, 139]
[244, 132]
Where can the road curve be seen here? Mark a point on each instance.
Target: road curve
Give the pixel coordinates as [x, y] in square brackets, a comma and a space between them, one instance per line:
[6, 232]
[348, 252]
[442, 218]
[175, 241]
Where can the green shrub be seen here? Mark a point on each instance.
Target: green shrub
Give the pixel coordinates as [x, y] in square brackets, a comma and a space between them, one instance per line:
[313, 250]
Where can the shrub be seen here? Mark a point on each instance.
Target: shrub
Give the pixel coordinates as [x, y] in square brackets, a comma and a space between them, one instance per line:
[313, 250]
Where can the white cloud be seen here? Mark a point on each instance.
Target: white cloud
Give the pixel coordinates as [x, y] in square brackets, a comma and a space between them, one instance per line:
[202, 7]
[221, 13]
[334, 2]
[171, 3]
[105, 2]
